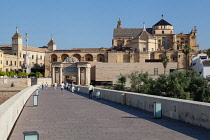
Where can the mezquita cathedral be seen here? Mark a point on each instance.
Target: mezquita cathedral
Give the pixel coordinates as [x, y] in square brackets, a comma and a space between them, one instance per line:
[133, 49]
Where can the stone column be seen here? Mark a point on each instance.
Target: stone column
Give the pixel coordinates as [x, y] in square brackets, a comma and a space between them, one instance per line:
[61, 75]
[78, 76]
[87, 76]
[53, 75]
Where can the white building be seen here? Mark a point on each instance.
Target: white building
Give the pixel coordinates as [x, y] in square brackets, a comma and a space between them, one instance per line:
[201, 62]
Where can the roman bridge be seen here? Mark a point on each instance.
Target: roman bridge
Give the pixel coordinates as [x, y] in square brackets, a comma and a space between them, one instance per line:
[116, 116]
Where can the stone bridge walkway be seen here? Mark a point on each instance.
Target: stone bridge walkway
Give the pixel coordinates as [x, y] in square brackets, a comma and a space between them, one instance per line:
[72, 116]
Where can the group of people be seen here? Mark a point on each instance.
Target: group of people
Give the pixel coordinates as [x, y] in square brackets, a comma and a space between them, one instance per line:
[44, 85]
[70, 87]
[65, 85]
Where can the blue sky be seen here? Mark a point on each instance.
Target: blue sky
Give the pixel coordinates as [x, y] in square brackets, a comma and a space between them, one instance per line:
[90, 23]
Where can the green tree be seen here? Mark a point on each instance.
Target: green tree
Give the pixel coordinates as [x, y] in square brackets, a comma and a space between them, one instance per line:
[186, 51]
[120, 83]
[10, 73]
[208, 52]
[2, 73]
[31, 74]
[38, 74]
[165, 61]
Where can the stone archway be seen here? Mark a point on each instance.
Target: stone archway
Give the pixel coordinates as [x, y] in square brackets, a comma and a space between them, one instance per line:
[64, 56]
[54, 58]
[88, 57]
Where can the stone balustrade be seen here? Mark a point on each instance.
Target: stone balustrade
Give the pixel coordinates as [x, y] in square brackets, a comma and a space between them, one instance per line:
[196, 113]
[11, 109]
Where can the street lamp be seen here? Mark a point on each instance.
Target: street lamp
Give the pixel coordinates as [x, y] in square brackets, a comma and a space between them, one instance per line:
[31, 135]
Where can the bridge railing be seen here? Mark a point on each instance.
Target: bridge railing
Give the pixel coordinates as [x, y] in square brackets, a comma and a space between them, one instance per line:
[11, 109]
[193, 112]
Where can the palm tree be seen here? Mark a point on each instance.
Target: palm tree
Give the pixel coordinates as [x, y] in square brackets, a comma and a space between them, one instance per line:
[165, 61]
[186, 51]
[208, 53]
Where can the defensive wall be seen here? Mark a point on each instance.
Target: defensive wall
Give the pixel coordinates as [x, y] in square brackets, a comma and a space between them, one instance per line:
[11, 109]
[108, 71]
[196, 113]
[23, 82]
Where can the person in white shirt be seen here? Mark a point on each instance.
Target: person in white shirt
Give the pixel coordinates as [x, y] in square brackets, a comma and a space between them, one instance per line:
[55, 85]
[72, 87]
[62, 87]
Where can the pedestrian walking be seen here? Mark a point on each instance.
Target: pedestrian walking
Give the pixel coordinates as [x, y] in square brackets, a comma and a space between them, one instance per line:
[62, 87]
[42, 86]
[72, 87]
[91, 89]
[55, 85]
[46, 85]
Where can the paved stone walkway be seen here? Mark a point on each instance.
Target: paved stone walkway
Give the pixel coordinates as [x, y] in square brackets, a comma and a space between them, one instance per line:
[71, 116]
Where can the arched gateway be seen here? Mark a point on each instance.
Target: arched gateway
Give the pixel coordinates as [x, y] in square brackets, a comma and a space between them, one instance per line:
[71, 70]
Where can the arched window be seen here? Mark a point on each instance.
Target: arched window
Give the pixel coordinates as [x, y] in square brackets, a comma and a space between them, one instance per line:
[64, 56]
[77, 56]
[88, 57]
[54, 58]
[100, 58]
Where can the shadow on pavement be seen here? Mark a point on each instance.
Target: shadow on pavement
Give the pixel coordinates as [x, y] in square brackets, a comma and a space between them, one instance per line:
[193, 131]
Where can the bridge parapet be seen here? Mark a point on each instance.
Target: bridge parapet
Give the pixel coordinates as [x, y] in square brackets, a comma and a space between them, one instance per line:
[193, 112]
[11, 109]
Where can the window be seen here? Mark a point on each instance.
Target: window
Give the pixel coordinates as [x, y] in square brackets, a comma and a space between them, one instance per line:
[100, 59]
[164, 44]
[15, 63]
[88, 59]
[162, 32]
[41, 57]
[32, 56]
[155, 71]
[11, 63]
[6, 62]
[144, 49]
[20, 63]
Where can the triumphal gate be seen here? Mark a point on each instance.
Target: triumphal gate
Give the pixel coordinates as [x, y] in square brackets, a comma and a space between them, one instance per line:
[71, 70]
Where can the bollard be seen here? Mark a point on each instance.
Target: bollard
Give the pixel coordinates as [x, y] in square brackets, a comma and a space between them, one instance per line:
[35, 100]
[78, 89]
[98, 95]
[37, 91]
[31, 135]
[157, 111]
[123, 99]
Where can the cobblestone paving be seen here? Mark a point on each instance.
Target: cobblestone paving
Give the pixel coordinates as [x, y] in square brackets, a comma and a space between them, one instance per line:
[72, 116]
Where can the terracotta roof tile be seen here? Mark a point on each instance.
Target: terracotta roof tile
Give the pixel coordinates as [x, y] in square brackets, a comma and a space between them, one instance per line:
[16, 35]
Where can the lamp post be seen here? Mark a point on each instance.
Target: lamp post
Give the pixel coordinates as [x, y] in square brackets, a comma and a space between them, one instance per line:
[31, 135]
[35, 100]
[157, 110]
[37, 91]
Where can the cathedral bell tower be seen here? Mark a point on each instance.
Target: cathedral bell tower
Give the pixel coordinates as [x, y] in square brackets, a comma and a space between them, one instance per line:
[16, 43]
[51, 45]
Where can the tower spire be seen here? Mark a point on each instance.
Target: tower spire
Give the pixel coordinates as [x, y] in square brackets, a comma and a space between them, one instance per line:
[144, 28]
[17, 29]
[51, 36]
[119, 23]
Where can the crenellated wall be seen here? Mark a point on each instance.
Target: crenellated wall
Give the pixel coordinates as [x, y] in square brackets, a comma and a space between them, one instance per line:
[196, 113]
